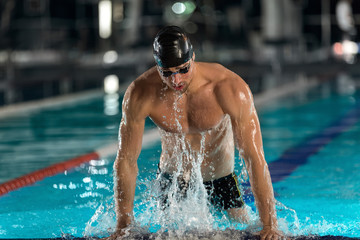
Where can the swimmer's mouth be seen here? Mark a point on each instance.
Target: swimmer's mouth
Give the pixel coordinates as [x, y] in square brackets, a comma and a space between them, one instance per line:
[178, 87]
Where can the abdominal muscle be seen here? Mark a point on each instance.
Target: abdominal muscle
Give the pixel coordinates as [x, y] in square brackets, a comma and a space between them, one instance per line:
[214, 149]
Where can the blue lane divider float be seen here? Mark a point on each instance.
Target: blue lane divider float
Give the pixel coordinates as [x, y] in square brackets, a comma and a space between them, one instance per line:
[298, 155]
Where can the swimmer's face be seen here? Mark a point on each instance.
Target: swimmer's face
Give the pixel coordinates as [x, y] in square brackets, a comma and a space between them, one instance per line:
[178, 78]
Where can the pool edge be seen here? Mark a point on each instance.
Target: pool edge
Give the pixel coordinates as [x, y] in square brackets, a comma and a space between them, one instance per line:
[240, 235]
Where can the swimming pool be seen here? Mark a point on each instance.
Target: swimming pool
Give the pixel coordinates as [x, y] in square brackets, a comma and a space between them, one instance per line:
[310, 143]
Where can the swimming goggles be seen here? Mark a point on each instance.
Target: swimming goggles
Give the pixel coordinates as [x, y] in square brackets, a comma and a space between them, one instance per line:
[181, 71]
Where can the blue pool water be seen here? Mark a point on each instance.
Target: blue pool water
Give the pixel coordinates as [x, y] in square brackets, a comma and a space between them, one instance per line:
[318, 193]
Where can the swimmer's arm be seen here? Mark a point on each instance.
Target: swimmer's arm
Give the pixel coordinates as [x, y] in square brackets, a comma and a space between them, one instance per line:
[125, 166]
[237, 101]
[126, 171]
[249, 141]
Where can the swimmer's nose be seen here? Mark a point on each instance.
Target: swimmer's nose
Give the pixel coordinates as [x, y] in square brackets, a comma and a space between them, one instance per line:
[176, 78]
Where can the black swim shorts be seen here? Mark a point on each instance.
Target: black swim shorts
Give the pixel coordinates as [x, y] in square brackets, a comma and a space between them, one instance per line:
[223, 193]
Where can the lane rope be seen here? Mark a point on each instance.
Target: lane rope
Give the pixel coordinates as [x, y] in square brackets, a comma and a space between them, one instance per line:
[150, 137]
[52, 170]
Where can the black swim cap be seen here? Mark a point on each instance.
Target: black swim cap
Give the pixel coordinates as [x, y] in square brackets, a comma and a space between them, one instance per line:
[172, 47]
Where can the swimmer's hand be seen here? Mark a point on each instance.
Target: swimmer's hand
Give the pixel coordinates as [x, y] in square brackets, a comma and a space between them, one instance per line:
[271, 233]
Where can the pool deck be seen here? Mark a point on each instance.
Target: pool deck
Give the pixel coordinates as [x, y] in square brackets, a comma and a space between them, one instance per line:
[224, 235]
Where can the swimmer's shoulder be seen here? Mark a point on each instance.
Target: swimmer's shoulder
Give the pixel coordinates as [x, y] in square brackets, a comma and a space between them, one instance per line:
[143, 90]
[146, 83]
[229, 88]
[148, 79]
[221, 77]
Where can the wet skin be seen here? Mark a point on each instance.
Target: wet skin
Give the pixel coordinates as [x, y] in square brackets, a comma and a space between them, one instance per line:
[193, 115]
[202, 102]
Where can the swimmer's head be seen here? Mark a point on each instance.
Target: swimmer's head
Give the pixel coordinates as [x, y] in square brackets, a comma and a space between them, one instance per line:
[172, 47]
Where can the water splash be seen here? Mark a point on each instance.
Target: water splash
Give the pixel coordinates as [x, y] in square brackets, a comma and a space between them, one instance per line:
[186, 209]
[103, 221]
[288, 220]
[186, 214]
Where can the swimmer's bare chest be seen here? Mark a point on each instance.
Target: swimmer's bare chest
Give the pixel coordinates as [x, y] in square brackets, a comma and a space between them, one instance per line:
[183, 113]
[198, 124]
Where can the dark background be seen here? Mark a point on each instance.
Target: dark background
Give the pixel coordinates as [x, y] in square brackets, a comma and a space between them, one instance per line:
[52, 47]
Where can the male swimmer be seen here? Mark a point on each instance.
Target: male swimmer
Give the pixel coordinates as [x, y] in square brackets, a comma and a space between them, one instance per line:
[194, 100]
